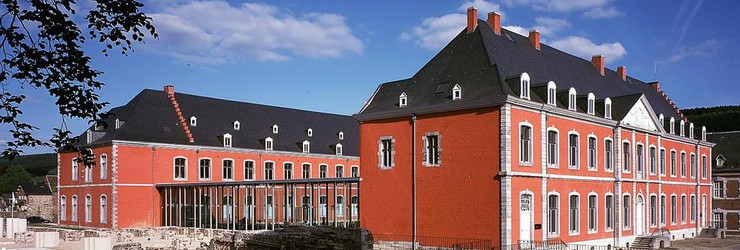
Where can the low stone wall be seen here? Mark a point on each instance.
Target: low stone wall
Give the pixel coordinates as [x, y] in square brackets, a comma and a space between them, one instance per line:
[295, 237]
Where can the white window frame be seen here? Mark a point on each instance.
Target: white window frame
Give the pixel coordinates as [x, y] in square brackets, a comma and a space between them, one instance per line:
[639, 160]
[323, 170]
[595, 218]
[237, 125]
[682, 126]
[341, 135]
[75, 169]
[338, 149]
[524, 86]
[103, 209]
[223, 169]
[572, 99]
[608, 108]
[530, 155]
[653, 160]
[427, 151]
[663, 209]
[253, 170]
[269, 143]
[691, 130]
[577, 160]
[693, 166]
[103, 166]
[692, 208]
[557, 212]
[674, 163]
[384, 153]
[703, 133]
[626, 163]
[594, 154]
[607, 214]
[719, 189]
[306, 147]
[626, 211]
[63, 208]
[661, 118]
[552, 93]
[403, 100]
[674, 209]
[309, 132]
[272, 172]
[353, 173]
[88, 208]
[174, 168]
[571, 219]
[227, 140]
[653, 210]
[609, 155]
[210, 169]
[683, 209]
[275, 129]
[75, 208]
[704, 166]
[456, 92]
[673, 126]
[662, 161]
[683, 164]
[193, 121]
[591, 104]
[339, 171]
[303, 170]
[556, 152]
[288, 174]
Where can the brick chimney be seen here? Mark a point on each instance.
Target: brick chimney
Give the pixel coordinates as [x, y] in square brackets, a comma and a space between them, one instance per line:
[534, 38]
[494, 19]
[656, 85]
[598, 62]
[169, 89]
[472, 19]
[622, 71]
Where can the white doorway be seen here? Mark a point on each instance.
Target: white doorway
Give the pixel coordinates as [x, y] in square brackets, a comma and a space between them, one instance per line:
[702, 214]
[640, 216]
[525, 217]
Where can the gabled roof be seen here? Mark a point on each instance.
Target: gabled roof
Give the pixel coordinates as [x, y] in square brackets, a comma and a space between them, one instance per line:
[151, 117]
[35, 188]
[727, 146]
[484, 65]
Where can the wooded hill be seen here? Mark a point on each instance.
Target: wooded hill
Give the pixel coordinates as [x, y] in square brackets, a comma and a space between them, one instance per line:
[717, 119]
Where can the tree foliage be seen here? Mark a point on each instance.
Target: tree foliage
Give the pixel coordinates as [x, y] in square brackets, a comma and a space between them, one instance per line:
[716, 119]
[13, 176]
[41, 45]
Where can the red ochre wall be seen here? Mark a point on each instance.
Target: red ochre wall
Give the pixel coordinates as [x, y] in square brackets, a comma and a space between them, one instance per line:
[460, 198]
[79, 187]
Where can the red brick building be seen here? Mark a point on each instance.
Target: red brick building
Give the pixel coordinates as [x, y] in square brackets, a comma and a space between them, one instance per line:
[172, 159]
[500, 137]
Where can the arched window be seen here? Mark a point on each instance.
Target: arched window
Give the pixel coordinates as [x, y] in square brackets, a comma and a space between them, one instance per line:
[661, 118]
[402, 100]
[341, 135]
[269, 170]
[553, 214]
[682, 126]
[63, 208]
[180, 168]
[268, 143]
[608, 108]
[691, 130]
[338, 149]
[355, 171]
[275, 129]
[306, 171]
[574, 213]
[703, 133]
[626, 206]
[551, 93]
[572, 99]
[340, 171]
[673, 126]
[524, 86]
[288, 170]
[103, 209]
[609, 211]
[626, 157]
[591, 109]
[227, 169]
[103, 166]
[323, 169]
[249, 170]
[573, 150]
[193, 121]
[75, 168]
[227, 140]
[309, 132]
[237, 125]
[74, 208]
[456, 92]
[525, 144]
[306, 147]
[88, 208]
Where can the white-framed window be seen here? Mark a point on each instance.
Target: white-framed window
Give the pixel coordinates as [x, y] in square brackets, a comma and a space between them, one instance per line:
[103, 209]
[683, 164]
[553, 214]
[287, 170]
[275, 129]
[574, 213]
[626, 161]
[268, 143]
[592, 153]
[574, 152]
[553, 151]
[719, 189]
[674, 214]
[431, 149]
[692, 169]
[456, 92]
[309, 132]
[341, 135]
[339, 207]
[204, 168]
[74, 208]
[227, 169]
[626, 209]
[249, 170]
[306, 170]
[609, 212]
[323, 209]
[551, 93]
[591, 104]
[609, 154]
[524, 86]
[385, 152]
[193, 121]
[88, 208]
[683, 209]
[355, 203]
[339, 171]
[572, 99]
[608, 108]
[703, 133]
[662, 161]
[180, 168]
[75, 169]
[103, 166]
[63, 208]
[692, 208]
[355, 171]
[673, 163]
[703, 166]
[88, 172]
[691, 130]
[673, 126]
[525, 144]
[306, 147]
[402, 100]
[323, 170]
[653, 210]
[593, 203]
[640, 159]
[237, 125]
[662, 209]
[682, 125]
[270, 208]
[118, 123]
[653, 154]
[338, 149]
[269, 170]
[661, 118]
[227, 140]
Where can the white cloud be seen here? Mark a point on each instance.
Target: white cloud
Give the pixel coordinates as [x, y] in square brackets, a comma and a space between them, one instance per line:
[548, 26]
[214, 32]
[704, 49]
[585, 48]
[558, 5]
[483, 7]
[601, 13]
[518, 29]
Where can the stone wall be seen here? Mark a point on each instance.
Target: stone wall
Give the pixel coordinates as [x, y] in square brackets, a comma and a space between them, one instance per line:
[41, 205]
[295, 237]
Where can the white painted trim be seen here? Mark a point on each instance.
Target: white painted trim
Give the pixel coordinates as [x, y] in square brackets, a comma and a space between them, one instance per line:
[187, 168]
[232, 150]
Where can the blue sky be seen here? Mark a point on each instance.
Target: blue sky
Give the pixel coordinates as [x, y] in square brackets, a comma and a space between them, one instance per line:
[329, 56]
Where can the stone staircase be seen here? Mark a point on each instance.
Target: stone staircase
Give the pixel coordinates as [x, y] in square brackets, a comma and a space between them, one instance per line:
[643, 242]
[708, 233]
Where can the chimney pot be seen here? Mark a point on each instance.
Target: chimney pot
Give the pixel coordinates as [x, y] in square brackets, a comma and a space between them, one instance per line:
[534, 38]
[598, 62]
[169, 89]
[622, 71]
[494, 19]
[472, 19]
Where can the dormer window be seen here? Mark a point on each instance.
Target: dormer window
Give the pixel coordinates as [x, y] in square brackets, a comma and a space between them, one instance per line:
[703, 133]
[275, 129]
[193, 121]
[341, 136]
[306, 147]
[591, 104]
[402, 100]
[608, 108]
[673, 126]
[661, 118]
[309, 132]
[237, 125]
[456, 92]
[681, 128]
[268, 143]
[524, 86]
[572, 99]
[338, 149]
[227, 140]
[89, 136]
[551, 89]
[691, 130]
[118, 123]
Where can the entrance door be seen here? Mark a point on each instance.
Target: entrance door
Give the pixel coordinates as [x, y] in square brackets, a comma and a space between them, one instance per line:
[702, 216]
[640, 216]
[525, 217]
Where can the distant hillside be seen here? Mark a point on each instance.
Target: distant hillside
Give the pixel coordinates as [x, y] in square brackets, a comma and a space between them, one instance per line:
[36, 165]
[717, 119]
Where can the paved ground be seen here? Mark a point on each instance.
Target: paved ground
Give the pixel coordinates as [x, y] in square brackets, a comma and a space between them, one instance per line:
[155, 241]
[731, 242]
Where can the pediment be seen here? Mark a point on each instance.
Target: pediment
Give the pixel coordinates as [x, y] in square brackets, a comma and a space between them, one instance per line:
[642, 116]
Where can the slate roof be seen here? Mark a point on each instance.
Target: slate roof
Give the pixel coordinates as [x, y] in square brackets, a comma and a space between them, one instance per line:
[150, 117]
[486, 65]
[35, 188]
[727, 145]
